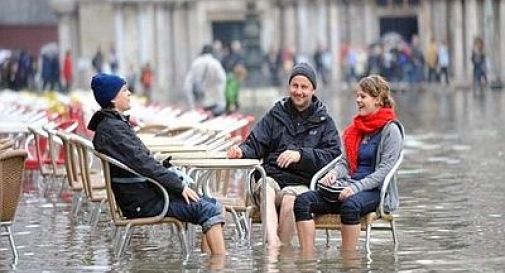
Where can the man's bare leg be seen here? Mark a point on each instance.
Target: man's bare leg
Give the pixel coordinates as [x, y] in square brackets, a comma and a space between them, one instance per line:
[287, 219]
[272, 223]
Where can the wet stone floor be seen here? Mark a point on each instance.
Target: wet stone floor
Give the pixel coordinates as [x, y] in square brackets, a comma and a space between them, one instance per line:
[451, 216]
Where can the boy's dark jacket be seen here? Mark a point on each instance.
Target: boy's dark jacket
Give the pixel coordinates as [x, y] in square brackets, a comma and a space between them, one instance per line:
[115, 138]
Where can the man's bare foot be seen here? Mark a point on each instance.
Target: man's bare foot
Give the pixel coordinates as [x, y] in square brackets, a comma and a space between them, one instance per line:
[274, 243]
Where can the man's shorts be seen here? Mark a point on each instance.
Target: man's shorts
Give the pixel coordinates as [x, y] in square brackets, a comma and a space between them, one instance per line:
[279, 193]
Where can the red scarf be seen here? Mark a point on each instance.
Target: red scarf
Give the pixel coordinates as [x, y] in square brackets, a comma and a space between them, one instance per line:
[363, 125]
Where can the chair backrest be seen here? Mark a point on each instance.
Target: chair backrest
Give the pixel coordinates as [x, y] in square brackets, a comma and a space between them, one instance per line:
[56, 153]
[6, 144]
[71, 163]
[12, 164]
[83, 147]
[40, 143]
[54, 148]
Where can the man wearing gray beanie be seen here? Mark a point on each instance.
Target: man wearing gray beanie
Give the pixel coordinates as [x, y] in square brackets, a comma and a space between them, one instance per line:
[295, 139]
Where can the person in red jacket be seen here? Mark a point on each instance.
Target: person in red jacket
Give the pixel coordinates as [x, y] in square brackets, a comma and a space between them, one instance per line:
[68, 71]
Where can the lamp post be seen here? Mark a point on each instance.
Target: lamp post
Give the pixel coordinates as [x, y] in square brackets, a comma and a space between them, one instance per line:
[253, 56]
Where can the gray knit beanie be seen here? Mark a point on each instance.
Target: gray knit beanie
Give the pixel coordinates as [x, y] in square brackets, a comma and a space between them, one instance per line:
[306, 70]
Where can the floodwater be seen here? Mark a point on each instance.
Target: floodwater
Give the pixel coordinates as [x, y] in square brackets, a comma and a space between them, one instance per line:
[451, 216]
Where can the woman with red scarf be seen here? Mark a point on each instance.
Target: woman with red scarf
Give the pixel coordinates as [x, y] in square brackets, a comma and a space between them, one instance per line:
[373, 142]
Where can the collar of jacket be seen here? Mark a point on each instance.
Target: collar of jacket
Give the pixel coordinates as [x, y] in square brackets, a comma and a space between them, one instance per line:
[316, 113]
[284, 111]
[100, 115]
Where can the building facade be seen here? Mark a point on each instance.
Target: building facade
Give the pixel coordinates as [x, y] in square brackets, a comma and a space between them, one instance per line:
[26, 25]
[169, 34]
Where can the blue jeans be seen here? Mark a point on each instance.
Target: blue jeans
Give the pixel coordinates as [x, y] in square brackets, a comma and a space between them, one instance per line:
[350, 210]
[207, 212]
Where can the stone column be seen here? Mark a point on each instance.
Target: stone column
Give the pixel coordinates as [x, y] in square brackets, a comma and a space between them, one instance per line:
[489, 41]
[502, 39]
[290, 30]
[269, 16]
[354, 22]
[471, 31]
[68, 36]
[195, 21]
[146, 35]
[141, 24]
[119, 38]
[282, 26]
[302, 27]
[181, 45]
[371, 25]
[456, 45]
[425, 24]
[68, 31]
[322, 23]
[439, 20]
[334, 39]
[163, 48]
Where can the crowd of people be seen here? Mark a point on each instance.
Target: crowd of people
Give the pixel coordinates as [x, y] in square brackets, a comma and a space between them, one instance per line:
[214, 79]
[399, 61]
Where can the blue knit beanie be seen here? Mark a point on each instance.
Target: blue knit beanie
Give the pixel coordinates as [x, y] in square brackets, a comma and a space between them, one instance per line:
[306, 70]
[105, 88]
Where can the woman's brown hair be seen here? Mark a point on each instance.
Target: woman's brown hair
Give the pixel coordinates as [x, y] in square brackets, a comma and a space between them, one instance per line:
[377, 86]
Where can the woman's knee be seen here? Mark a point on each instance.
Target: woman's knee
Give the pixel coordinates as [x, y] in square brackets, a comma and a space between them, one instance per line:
[350, 212]
[301, 206]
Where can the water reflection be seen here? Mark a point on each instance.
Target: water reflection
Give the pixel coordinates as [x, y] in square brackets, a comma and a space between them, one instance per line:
[450, 217]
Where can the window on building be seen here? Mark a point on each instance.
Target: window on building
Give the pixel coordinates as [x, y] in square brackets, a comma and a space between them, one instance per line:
[382, 2]
[397, 3]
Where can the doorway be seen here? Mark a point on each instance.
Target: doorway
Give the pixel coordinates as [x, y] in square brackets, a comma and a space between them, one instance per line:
[406, 26]
[228, 31]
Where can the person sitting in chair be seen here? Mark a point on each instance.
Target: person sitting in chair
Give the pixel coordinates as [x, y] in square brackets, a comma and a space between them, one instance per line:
[373, 142]
[295, 138]
[136, 197]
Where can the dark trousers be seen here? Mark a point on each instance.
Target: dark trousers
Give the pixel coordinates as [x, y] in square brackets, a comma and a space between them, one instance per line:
[350, 210]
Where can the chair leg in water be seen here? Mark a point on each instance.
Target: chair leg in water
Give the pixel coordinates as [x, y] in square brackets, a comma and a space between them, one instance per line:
[395, 236]
[183, 240]
[367, 242]
[12, 243]
[122, 244]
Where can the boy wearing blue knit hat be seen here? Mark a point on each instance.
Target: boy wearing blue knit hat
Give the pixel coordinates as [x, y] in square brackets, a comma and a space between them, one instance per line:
[116, 138]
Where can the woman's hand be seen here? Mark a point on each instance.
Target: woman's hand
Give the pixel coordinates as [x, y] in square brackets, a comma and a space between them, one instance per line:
[329, 178]
[190, 195]
[345, 193]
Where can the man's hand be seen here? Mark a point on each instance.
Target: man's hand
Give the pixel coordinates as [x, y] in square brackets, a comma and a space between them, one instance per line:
[287, 157]
[329, 178]
[234, 152]
[190, 195]
[345, 193]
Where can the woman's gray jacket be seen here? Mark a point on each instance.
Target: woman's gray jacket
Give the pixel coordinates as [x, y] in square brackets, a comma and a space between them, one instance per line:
[388, 152]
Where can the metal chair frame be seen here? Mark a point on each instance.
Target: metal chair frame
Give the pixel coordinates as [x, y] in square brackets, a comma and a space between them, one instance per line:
[120, 221]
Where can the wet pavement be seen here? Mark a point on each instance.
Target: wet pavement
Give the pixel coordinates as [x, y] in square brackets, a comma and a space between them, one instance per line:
[450, 218]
